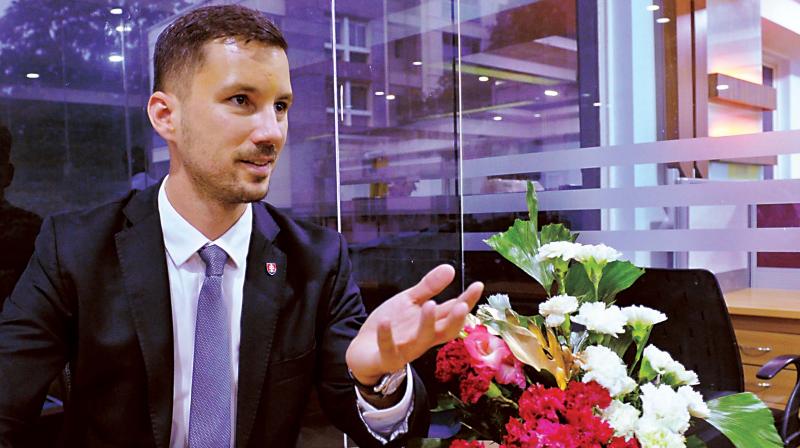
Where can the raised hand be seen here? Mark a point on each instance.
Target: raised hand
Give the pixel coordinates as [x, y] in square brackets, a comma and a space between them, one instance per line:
[404, 327]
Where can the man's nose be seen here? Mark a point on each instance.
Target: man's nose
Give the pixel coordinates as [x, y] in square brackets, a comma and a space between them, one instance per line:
[268, 129]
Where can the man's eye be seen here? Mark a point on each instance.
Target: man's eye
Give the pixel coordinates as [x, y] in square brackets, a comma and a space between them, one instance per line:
[240, 100]
[281, 106]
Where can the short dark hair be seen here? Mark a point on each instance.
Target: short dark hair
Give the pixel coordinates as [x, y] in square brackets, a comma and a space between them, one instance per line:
[179, 48]
[5, 144]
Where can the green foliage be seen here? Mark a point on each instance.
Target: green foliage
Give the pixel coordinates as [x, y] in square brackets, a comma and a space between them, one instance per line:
[617, 276]
[744, 420]
[519, 245]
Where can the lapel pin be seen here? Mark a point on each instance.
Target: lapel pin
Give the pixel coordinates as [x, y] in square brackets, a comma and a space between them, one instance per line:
[272, 268]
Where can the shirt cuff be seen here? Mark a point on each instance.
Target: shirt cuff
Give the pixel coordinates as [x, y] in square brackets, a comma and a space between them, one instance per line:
[387, 424]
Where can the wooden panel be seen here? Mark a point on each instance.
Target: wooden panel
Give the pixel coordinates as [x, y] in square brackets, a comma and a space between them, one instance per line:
[756, 323]
[741, 92]
[758, 347]
[777, 303]
[774, 392]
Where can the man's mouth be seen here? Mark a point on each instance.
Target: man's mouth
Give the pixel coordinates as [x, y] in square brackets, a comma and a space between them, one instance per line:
[260, 167]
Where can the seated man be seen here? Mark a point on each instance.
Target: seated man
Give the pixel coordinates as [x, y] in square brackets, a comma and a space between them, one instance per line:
[191, 313]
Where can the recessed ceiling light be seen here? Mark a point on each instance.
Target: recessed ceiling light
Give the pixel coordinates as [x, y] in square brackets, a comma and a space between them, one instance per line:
[390, 97]
[119, 28]
[653, 7]
[722, 87]
[32, 75]
[483, 78]
[115, 58]
[499, 82]
[380, 93]
[497, 118]
[597, 104]
[549, 92]
[537, 115]
[115, 11]
[417, 63]
[662, 20]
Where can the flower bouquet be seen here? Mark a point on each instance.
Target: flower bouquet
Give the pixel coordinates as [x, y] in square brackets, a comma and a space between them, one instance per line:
[581, 372]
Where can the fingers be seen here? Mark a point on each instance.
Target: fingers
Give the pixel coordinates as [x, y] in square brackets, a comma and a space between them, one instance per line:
[470, 296]
[386, 345]
[427, 322]
[433, 283]
[448, 327]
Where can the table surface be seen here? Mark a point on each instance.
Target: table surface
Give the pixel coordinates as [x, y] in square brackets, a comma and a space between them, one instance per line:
[780, 303]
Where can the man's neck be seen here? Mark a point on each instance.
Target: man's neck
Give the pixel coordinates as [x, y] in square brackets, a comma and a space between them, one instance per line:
[210, 217]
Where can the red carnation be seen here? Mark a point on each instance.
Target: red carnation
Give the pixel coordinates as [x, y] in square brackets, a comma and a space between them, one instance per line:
[592, 430]
[452, 361]
[620, 442]
[475, 384]
[540, 402]
[519, 434]
[587, 395]
[556, 435]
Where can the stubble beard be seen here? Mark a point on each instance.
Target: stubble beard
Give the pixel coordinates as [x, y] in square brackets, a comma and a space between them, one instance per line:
[220, 187]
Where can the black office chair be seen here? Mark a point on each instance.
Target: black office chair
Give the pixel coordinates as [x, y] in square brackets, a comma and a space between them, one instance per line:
[699, 334]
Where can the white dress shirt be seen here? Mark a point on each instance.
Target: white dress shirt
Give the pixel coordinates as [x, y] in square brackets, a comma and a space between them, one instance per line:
[186, 275]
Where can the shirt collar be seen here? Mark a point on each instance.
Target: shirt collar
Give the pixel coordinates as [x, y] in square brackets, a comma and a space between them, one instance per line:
[182, 240]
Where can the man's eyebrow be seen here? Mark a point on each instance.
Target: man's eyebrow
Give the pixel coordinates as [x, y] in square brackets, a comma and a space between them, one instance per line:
[240, 87]
[286, 97]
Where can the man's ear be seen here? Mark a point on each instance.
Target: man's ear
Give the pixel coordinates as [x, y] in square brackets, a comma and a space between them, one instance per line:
[163, 109]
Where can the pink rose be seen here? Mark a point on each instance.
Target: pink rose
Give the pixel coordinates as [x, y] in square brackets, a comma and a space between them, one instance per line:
[486, 349]
[491, 351]
[510, 372]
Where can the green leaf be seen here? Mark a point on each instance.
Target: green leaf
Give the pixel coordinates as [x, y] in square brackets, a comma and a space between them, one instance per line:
[445, 402]
[617, 276]
[640, 333]
[646, 371]
[555, 232]
[578, 283]
[493, 391]
[533, 205]
[695, 442]
[620, 344]
[744, 420]
[519, 245]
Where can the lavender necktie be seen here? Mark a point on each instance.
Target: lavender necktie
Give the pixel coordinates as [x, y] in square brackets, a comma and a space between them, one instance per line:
[210, 413]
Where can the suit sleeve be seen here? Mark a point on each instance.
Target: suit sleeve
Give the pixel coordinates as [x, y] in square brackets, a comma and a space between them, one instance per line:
[336, 389]
[34, 326]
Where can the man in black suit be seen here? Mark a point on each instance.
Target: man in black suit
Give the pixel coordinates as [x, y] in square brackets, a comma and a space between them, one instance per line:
[190, 313]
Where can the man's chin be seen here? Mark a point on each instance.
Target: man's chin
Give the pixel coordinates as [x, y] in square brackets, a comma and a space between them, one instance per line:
[254, 193]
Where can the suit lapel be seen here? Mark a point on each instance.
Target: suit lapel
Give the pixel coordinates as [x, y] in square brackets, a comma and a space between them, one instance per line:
[140, 248]
[263, 297]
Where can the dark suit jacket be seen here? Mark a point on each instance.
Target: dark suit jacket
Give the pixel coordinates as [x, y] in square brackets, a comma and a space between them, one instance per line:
[96, 294]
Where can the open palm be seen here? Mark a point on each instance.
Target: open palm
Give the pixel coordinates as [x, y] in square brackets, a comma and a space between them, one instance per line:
[404, 327]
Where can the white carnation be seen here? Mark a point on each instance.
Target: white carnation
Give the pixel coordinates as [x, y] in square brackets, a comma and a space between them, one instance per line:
[652, 435]
[697, 407]
[596, 317]
[665, 407]
[556, 308]
[564, 250]
[622, 417]
[642, 315]
[684, 375]
[663, 364]
[659, 360]
[601, 364]
[600, 253]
